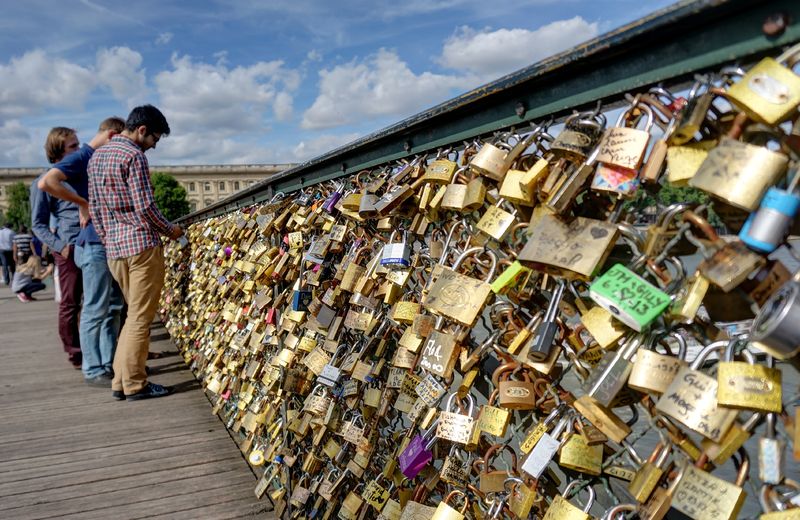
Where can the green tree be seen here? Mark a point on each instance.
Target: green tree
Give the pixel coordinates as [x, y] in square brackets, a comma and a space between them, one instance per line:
[668, 194]
[170, 196]
[19, 206]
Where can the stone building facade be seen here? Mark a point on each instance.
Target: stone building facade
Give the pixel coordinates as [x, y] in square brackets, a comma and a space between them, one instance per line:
[204, 184]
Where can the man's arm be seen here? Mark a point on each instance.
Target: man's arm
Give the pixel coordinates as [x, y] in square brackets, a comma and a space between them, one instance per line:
[143, 201]
[52, 183]
[40, 221]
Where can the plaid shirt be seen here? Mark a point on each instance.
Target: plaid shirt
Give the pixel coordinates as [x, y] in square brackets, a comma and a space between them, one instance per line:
[121, 199]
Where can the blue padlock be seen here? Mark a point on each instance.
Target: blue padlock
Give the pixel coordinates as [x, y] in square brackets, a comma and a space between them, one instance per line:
[301, 298]
[766, 228]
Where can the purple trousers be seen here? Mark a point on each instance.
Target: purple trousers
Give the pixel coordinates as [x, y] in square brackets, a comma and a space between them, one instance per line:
[69, 310]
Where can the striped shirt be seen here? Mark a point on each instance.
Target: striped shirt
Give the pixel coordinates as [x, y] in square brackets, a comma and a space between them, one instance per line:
[121, 201]
[23, 243]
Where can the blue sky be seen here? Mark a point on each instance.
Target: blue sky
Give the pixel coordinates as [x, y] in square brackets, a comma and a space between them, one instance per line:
[246, 81]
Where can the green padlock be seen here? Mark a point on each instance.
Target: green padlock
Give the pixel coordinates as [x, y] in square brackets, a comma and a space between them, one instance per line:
[510, 277]
[629, 297]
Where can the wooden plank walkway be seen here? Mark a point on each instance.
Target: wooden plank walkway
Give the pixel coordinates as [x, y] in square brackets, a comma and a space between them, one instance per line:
[70, 451]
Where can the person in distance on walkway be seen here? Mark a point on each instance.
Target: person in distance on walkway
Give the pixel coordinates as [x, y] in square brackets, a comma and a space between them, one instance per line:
[125, 216]
[6, 253]
[22, 245]
[28, 277]
[102, 298]
[60, 142]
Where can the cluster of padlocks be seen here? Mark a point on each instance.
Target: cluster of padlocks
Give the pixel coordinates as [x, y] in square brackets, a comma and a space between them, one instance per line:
[489, 331]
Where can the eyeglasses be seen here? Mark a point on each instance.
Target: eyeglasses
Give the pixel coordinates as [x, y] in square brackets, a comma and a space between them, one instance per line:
[156, 138]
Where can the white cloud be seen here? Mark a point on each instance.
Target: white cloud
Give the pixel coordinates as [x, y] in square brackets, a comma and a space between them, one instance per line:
[196, 148]
[306, 150]
[382, 85]
[283, 106]
[314, 55]
[18, 145]
[164, 38]
[35, 82]
[120, 69]
[495, 53]
[215, 99]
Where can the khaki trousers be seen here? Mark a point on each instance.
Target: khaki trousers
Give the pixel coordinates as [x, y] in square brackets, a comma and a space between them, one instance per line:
[141, 278]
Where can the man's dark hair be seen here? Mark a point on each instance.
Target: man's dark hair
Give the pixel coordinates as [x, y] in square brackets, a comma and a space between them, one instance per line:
[149, 116]
[22, 229]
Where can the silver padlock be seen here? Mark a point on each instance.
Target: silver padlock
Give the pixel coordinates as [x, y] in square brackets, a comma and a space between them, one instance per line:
[771, 454]
[776, 328]
[547, 447]
[611, 374]
[396, 255]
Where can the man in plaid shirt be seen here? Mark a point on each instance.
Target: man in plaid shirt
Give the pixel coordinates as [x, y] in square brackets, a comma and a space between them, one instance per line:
[126, 218]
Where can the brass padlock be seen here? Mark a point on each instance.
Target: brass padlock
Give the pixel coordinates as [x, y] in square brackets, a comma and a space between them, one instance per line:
[683, 161]
[769, 92]
[493, 480]
[622, 146]
[442, 169]
[561, 509]
[460, 297]
[453, 426]
[691, 399]
[496, 221]
[580, 135]
[649, 473]
[574, 249]
[739, 173]
[444, 511]
[748, 385]
[491, 419]
[726, 264]
[578, 455]
[514, 394]
[703, 496]
[494, 161]
[653, 372]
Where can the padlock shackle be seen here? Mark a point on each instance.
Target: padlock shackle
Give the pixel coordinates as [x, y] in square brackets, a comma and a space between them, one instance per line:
[494, 449]
[452, 494]
[634, 455]
[701, 224]
[612, 513]
[791, 52]
[742, 467]
[637, 103]
[717, 346]
[589, 488]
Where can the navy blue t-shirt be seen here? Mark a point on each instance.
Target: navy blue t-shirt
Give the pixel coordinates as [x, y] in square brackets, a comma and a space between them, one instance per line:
[74, 167]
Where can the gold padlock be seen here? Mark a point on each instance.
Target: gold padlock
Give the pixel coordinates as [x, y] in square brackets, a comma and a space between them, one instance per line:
[770, 91]
[739, 173]
[748, 385]
[575, 249]
[577, 454]
[561, 509]
[691, 399]
[444, 511]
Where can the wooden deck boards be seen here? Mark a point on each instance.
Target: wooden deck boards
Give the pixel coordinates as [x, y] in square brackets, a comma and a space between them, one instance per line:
[70, 451]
